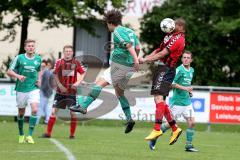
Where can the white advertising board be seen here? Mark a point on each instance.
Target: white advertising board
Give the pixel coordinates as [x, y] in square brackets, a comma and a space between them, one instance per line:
[143, 110]
[8, 100]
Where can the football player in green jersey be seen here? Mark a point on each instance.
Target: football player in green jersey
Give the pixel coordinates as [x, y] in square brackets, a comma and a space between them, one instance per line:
[26, 69]
[124, 60]
[180, 103]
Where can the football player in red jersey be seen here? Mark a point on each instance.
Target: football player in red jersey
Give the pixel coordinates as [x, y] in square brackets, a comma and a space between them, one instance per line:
[167, 54]
[68, 75]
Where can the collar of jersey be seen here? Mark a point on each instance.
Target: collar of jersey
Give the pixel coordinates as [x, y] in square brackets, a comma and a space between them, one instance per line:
[29, 57]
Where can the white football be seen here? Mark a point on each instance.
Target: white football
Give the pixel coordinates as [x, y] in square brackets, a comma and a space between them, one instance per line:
[167, 25]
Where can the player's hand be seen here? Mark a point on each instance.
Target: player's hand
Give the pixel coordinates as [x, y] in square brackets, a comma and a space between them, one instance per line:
[63, 89]
[75, 85]
[141, 60]
[189, 89]
[21, 78]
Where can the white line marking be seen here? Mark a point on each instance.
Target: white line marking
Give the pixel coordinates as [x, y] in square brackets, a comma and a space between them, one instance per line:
[69, 155]
[210, 145]
[23, 151]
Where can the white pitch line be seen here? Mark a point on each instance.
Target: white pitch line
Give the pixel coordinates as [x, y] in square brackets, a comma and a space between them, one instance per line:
[69, 155]
[23, 151]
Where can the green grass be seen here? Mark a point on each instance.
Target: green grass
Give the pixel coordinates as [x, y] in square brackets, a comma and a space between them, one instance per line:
[105, 140]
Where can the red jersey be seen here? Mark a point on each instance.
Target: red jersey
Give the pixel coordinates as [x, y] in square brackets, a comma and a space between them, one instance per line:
[175, 43]
[67, 73]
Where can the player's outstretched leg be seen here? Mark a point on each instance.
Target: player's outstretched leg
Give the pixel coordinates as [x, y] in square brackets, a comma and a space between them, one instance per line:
[83, 103]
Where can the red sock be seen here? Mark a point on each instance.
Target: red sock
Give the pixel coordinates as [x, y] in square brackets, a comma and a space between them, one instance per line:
[170, 118]
[73, 126]
[51, 123]
[160, 107]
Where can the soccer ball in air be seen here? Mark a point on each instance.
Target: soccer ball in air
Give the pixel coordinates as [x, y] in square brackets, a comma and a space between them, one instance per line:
[167, 25]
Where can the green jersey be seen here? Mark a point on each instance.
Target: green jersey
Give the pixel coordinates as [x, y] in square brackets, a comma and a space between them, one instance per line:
[28, 67]
[121, 37]
[183, 77]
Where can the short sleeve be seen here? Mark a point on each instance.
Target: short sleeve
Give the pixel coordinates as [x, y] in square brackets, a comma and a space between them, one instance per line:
[80, 68]
[177, 76]
[40, 62]
[57, 67]
[15, 63]
[122, 36]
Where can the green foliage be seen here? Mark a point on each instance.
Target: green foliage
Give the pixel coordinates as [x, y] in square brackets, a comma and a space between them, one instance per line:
[52, 12]
[213, 27]
[4, 67]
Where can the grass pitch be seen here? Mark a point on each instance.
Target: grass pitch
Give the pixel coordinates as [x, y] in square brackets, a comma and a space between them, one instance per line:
[107, 141]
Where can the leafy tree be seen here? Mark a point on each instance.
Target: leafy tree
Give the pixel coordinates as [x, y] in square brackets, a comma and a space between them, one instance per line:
[213, 29]
[52, 13]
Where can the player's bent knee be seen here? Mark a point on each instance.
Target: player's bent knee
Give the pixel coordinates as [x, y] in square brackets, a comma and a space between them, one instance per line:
[34, 112]
[191, 124]
[21, 115]
[158, 99]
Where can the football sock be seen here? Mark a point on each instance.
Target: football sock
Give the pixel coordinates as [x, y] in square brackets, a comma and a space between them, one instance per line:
[169, 118]
[87, 101]
[164, 127]
[189, 135]
[73, 126]
[51, 123]
[32, 123]
[96, 90]
[20, 125]
[125, 107]
[160, 107]
[173, 125]
[167, 113]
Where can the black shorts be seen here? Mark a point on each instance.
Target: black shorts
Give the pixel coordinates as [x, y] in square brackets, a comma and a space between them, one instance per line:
[62, 101]
[162, 80]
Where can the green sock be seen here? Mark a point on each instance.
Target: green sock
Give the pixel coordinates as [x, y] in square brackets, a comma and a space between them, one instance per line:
[32, 123]
[125, 107]
[189, 134]
[87, 101]
[96, 90]
[20, 125]
[164, 127]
